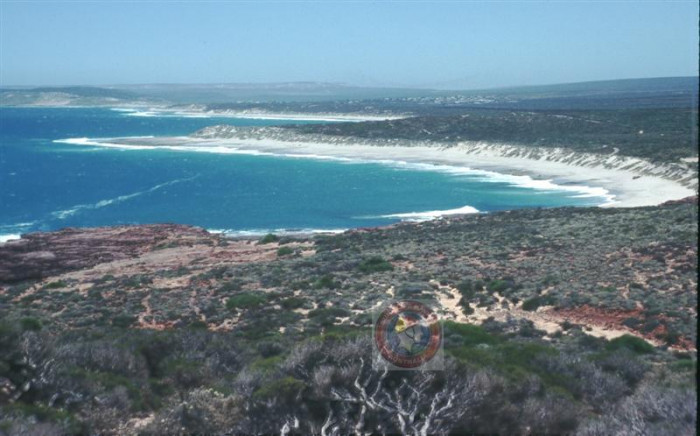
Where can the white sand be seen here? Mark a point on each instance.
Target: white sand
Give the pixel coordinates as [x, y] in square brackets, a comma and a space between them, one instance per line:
[201, 112]
[301, 116]
[629, 188]
[624, 181]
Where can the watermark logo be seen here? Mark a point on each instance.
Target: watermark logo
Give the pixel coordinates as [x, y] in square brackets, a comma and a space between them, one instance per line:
[408, 335]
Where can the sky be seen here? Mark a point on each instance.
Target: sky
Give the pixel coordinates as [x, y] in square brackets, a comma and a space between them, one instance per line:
[437, 44]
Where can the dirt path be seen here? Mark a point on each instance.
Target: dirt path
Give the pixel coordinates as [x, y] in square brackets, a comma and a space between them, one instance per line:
[545, 318]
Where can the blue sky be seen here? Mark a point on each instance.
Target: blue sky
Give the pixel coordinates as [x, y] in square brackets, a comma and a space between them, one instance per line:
[446, 44]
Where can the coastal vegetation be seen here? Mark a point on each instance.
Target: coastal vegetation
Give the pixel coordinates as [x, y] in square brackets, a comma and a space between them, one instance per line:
[663, 135]
[555, 321]
[270, 343]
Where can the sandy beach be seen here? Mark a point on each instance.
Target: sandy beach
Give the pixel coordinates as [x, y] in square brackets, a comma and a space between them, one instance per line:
[201, 112]
[328, 117]
[622, 181]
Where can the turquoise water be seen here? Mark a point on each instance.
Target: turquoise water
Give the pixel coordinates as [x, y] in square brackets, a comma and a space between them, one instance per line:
[46, 185]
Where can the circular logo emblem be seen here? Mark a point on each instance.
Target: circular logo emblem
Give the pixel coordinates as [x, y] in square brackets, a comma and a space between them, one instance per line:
[407, 334]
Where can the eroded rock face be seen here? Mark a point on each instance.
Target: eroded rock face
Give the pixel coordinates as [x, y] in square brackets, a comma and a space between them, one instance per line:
[40, 255]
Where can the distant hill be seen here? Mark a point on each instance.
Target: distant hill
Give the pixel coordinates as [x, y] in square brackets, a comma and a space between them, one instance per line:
[656, 84]
[65, 96]
[268, 92]
[318, 96]
[86, 91]
[608, 94]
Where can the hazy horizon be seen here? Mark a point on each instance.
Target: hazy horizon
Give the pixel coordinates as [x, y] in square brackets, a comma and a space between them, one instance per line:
[436, 45]
[321, 83]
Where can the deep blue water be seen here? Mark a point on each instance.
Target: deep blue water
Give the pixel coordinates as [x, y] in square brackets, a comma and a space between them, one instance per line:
[46, 185]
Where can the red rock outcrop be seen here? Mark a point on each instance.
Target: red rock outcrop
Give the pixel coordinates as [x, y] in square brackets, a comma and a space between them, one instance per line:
[40, 255]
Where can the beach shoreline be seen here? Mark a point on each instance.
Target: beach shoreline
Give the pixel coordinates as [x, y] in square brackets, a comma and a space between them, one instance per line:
[625, 182]
[193, 111]
[200, 112]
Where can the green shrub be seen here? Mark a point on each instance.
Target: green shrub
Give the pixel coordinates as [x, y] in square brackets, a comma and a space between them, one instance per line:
[590, 342]
[285, 251]
[30, 323]
[466, 308]
[631, 322]
[230, 286]
[267, 364]
[375, 264]
[245, 301]
[184, 372]
[269, 238]
[466, 288]
[95, 294]
[671, 337]
[292, 302]
[632, 343]
[42, 413]
[327, 316]
[650, 325]
[300, 284]
[469, 334]
[287, 387]
[531, 304]
[326, 282]
[550, 280]
[124, 320]
[498, 285]
[523, 354]
[567, 325]
[55, 285]
[686, 365]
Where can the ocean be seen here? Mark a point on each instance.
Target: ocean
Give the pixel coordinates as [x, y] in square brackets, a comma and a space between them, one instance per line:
[47, 185]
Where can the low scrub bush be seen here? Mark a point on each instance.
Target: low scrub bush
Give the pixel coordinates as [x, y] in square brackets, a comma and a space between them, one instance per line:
[269, 238]
[245, 301]
[375, 264]
[532, 304]
[632, 343]
[285, 251]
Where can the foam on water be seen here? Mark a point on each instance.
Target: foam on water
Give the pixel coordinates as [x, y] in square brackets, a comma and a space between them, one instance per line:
[97, 143]
[430, 214]
[13, 231]
[281, 232]
[9, 237]
[63, 214]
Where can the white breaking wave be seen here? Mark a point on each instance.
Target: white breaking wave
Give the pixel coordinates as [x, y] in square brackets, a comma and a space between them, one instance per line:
[89, 141]
[428, 215]
[18, 225]
[98, 142]
[9, 232]
[523, 181]
[8, 237]
[63, 214]
[123, 109]
[282, 232]
[155, 113]
[142, 114]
